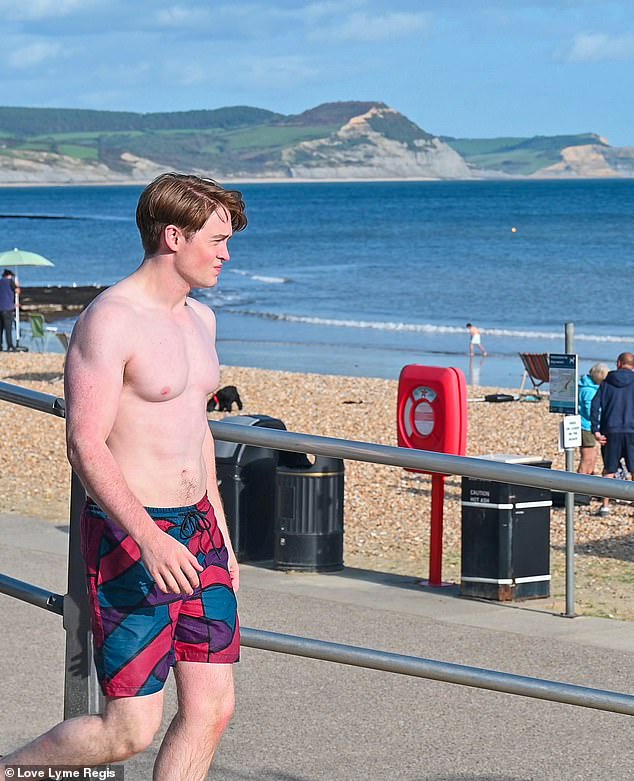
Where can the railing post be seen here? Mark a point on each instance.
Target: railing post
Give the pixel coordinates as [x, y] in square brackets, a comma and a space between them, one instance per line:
[570, 503]
[81, 690]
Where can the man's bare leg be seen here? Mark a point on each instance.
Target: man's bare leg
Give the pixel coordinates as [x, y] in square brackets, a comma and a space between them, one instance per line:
[126, 727]
[205, 706]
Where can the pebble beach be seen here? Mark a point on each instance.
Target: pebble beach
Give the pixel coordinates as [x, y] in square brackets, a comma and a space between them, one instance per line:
[386, 513]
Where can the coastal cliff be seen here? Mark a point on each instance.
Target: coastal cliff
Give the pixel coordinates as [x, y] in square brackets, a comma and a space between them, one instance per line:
[591, 161]
[379, 144]
[359, 140]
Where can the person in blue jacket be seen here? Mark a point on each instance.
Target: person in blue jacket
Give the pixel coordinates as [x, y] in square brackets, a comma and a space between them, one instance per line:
[612, 419]
[8, 290]
[588, 387]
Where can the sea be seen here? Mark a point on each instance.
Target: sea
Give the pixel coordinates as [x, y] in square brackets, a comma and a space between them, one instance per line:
[365, 278]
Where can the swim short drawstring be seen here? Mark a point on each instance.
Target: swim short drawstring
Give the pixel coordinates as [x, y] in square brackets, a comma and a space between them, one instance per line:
[194, 521]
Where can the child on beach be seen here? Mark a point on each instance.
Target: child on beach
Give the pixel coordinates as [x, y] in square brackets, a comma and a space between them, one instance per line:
[475, 339]
[161, 570]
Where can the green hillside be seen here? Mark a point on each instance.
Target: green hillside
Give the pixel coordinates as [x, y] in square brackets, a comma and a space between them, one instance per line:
[517, 156]
[247, 141]
[36, 121]
[237, 139]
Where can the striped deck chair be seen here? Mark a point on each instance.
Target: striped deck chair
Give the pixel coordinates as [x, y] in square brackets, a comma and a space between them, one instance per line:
[536, 369]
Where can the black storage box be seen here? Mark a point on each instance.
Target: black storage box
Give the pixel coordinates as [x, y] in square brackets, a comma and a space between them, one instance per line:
[246, 481]
[505, 537]
[309, 514]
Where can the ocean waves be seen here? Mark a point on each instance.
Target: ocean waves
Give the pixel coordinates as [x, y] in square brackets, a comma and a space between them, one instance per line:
[432, 329]
[267, 280]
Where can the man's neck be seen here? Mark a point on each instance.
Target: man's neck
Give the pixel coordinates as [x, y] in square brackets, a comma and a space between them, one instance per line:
[156, 275]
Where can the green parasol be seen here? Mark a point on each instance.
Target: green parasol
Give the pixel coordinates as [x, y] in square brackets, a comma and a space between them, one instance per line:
[19, 257]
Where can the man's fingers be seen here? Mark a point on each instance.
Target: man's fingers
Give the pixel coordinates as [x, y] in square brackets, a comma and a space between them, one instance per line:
[171, 581]
[192, 576]
[160, 583]
[195, 563]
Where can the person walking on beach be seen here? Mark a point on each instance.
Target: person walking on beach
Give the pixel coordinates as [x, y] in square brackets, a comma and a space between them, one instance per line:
[612, 419]
[161, 571]
[475, 339]
[588, 387]
[8, 291]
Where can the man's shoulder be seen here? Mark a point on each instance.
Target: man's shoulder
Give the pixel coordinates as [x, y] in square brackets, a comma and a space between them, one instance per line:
[202, 310]
[112, 302]
[112, 312]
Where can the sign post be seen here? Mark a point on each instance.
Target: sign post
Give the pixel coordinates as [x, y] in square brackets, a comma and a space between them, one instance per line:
[564, 399]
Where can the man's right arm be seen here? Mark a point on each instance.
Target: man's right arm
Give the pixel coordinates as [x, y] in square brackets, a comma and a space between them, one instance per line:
[94, 372]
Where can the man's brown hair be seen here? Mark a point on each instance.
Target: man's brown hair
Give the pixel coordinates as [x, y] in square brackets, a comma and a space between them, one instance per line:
[186, 201]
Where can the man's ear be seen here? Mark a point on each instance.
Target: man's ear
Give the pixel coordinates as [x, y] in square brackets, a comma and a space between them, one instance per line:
[173, 237]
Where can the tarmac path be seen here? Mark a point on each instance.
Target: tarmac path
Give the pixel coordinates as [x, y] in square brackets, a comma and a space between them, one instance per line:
[307, 720]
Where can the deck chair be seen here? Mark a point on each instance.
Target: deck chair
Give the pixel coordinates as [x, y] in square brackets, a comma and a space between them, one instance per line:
[536, 369]
[38, 330]
[63, 339]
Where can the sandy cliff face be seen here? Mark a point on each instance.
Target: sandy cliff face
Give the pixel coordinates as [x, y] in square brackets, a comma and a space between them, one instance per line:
[358, 151]
[591, 161]
[45, 167]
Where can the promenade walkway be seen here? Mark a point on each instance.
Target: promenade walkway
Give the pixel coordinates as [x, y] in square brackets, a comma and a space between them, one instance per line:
[306, 720]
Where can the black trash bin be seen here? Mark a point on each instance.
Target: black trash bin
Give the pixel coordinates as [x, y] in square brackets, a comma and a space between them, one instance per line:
[246, 481]
[505, 537]
[309, 514]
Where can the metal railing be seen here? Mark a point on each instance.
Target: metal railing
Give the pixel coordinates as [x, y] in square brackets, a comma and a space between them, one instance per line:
[81, 694]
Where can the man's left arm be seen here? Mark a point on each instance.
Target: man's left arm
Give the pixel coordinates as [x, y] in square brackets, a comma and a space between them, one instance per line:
[595, 417]
[209, 454]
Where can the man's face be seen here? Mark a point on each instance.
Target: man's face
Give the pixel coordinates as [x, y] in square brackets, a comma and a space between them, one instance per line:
[200, 259]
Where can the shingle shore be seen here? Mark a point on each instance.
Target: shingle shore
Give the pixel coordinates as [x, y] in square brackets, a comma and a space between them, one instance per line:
[386, 508]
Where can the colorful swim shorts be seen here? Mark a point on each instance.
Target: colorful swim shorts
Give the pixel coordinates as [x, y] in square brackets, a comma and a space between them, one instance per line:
[139, 631]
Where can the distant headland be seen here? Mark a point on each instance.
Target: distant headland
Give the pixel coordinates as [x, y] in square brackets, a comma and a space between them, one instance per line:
[352, 140]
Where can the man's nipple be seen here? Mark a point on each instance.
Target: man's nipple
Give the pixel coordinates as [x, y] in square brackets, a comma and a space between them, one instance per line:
[165, 391]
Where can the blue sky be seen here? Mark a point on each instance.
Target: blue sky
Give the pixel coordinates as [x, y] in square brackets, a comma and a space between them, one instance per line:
[469, 68]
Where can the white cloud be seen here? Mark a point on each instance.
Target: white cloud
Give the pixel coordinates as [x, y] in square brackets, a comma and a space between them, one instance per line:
[183, 16]
[362, 26]
[33, 54]
[318, 10]
[276, 72]
[186, 74]
[33, 10]
[594, 47]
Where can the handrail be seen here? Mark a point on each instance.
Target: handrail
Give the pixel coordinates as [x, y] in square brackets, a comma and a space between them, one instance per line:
[80, 696]
[425, 460]
[538, 688]
[370, 658]
[25, 397]
[34, 595]
[468, 466]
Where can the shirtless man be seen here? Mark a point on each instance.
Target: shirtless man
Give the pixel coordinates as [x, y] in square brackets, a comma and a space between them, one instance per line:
[161, 570]
[475, 339]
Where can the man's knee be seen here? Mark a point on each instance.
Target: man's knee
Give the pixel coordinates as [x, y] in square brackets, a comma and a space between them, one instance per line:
[211, 714]
[130, 733]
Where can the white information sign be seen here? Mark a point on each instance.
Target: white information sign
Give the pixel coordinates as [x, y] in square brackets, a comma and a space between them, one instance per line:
[570, 432]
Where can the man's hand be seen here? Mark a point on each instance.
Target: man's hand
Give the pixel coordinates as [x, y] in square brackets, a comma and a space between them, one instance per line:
[601, 438]
[174, 568]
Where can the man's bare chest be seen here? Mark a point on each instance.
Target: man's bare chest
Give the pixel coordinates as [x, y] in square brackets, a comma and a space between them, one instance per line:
[169, 360]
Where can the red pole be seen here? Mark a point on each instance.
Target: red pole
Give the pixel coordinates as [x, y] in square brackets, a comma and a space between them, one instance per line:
[435, 535]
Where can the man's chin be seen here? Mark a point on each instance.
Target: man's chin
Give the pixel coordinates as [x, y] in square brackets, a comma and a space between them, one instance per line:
[205, 284]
